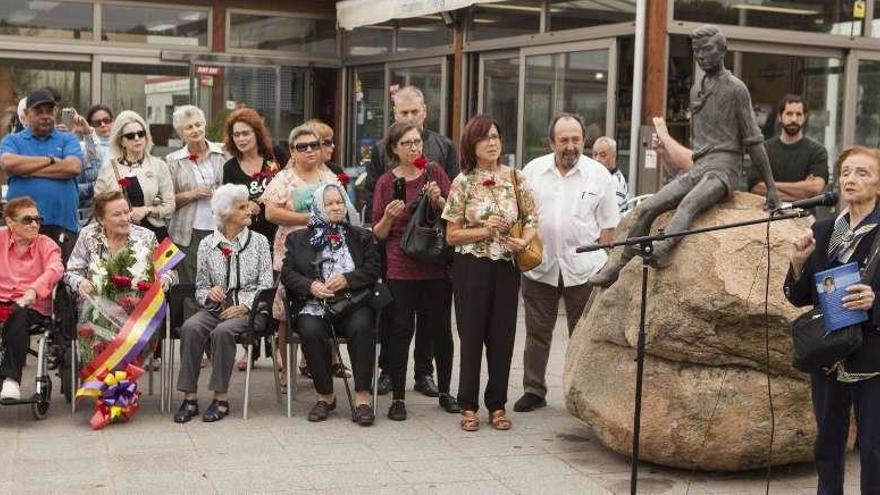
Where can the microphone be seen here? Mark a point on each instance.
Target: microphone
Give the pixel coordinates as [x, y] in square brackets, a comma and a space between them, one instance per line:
[825, 199]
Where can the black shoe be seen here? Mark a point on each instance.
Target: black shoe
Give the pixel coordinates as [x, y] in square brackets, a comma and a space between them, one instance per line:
[449, 404]
[188, 409]
[363, 415]
[426, 386]
[529, 402]
[397, 411]
[321, 410]
[216, 411]
[384, 383]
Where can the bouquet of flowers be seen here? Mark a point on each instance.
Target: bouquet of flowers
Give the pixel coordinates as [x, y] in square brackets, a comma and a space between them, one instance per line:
[120, 283]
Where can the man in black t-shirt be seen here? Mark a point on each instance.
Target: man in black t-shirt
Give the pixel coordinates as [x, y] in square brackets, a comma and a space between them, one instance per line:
[799, 163]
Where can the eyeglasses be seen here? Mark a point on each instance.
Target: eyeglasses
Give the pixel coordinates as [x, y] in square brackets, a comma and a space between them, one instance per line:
[131, 135]
[491, 137]
[303, 147]
[28, 219]
[99, 123]
[239, 134]
[415, 143]
[328, 143]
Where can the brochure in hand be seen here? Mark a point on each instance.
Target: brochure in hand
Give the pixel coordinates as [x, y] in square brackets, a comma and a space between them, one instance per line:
[831, 286]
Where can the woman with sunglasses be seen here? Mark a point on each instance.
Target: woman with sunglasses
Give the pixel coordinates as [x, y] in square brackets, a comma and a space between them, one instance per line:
[143, 179]
[31, 267]
[287, 201]
[328, 146]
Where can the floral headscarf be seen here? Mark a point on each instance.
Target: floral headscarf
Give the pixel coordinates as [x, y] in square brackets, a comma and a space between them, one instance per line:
[324, 231]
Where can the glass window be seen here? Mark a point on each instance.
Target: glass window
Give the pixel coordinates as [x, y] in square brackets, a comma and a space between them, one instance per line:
[293, 101]
[153, 91]
[574, 82]
[237, 86]
[571, 14]
[368, 120]
[154, 25]
[370, 40]
[821, 16]
[422, 32]
[71, 81]
[501, 19]
[57, 20]
[500, 95]
[426, 79]
[868, 105]
[292, 34]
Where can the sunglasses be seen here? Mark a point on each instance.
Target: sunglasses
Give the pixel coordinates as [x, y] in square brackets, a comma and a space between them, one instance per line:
[303, 147]
[99, 123]
[132, 135]
[28, 219]
[328, 143]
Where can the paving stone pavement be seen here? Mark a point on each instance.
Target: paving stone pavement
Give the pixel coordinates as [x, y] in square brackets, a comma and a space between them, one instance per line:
[547, 451]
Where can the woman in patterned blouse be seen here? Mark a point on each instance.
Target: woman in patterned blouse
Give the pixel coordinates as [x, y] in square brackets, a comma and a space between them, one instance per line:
[233, 267]
[480, 210]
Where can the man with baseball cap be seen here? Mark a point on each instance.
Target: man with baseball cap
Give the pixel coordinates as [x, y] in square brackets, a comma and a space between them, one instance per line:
[43, 163]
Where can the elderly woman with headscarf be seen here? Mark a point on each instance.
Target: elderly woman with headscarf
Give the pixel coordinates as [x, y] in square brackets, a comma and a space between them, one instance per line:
[196, 170]
[328, 259]
[234, 265]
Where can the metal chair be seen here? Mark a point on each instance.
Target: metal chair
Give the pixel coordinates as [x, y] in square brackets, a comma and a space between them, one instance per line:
[176, 297]
[261, 325]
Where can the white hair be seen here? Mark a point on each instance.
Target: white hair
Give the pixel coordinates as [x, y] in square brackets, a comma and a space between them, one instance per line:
[302, 130]
[408, 93]
[612, 144]
[183, 113]
[123, 119]
[22, 110]
[225, 198]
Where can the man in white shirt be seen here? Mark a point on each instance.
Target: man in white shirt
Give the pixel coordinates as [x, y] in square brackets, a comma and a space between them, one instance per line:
[576, 200]
[605, 152]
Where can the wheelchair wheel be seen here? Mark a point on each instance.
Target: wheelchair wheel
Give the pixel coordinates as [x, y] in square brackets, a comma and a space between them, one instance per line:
[41, 408]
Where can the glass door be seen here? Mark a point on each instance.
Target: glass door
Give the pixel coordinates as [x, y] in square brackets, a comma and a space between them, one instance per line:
[368, 111]
[430, 76]
[498, 95]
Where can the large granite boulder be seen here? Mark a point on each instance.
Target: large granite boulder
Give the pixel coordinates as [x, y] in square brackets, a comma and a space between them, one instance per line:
[705, 403]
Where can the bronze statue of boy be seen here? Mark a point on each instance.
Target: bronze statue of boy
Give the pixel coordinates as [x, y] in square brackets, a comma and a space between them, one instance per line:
[723, 128]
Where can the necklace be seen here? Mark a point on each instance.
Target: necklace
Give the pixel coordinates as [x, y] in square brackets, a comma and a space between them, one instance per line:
[132, 164]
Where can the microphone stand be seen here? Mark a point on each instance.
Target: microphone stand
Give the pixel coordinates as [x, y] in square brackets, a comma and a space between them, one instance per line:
[646, 248]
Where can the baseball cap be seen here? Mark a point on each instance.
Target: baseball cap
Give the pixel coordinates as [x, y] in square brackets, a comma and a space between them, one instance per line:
[40, 96]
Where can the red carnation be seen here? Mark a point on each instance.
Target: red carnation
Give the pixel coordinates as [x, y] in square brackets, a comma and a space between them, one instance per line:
[124, 182]
[420, 162]
[490, 182]
[120, 281]
[343, 178]
[85, 331]
[193, 157]
[334, 238]
[226, 251]
[258, 175]
[129, 302]
[5, 311]
[143, 286]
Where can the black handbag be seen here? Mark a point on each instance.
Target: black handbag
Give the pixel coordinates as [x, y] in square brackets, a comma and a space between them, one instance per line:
[814, 347]
[377, 297]
[424, 238]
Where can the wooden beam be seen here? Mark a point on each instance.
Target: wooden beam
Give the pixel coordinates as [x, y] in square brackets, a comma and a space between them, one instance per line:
[654, 92]
[457, 78]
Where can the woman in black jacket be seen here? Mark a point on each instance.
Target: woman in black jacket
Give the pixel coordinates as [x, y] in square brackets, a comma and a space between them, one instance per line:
[329, 258]
[855, 381]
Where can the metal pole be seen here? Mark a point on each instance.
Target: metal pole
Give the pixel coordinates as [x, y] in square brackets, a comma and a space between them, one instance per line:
[638, 86]
[640, 370]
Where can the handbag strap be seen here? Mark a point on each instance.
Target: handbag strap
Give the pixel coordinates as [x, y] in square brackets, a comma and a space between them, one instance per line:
[516, 193]
[118, 179]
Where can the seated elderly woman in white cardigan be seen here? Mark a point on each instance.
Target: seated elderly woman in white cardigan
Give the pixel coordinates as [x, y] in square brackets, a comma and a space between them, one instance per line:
[234, 265]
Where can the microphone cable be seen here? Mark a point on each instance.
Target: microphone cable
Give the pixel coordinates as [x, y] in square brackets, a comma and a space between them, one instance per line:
[767, 353]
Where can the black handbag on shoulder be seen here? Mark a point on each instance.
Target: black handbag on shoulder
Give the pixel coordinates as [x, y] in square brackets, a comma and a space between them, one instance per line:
[816, 348]
[425, 236]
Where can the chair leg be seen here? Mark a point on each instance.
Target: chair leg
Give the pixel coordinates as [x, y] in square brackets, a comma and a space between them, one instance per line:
[74, 375]
[150, 376]
[247, 381]
[162, 392]
[276, 376]
[376, 375]
[289, 380]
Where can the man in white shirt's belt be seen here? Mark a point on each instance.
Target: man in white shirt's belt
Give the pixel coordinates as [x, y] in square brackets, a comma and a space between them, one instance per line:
[576, 200]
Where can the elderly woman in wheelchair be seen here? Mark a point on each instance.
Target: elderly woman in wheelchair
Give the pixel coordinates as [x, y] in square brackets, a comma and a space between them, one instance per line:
[328, 261]
[31, 268]
[234, 265]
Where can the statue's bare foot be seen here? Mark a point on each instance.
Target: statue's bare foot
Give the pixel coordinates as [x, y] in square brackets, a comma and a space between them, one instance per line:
[606, 276]
[661, 257]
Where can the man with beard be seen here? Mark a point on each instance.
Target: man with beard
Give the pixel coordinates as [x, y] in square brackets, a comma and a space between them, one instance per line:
[723, 128]
[799, 163]
[576, 199]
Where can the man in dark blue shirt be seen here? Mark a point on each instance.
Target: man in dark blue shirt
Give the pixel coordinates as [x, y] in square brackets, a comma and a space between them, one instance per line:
[43, 163]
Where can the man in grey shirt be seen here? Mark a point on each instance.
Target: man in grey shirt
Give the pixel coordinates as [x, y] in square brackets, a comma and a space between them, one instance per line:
[723, 127]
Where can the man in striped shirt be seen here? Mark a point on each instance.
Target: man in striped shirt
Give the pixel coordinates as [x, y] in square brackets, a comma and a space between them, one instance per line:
[605, 152]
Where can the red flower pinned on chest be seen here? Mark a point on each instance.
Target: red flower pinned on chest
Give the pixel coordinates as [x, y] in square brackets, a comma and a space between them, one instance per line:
[124, 182]
[143, 286]
[489, 182]
[334, 238]
[226, 251]
[120, 281]
[193, 157]
[343, 178]
[420, 163]
[5, 311]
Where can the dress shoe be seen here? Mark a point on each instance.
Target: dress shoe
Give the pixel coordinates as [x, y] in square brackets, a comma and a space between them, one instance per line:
[449, 404]
[188, 409]
[384, 383]
[397, 411]
[426, 386]
[529, 402]
[321, 410]
[363, 415]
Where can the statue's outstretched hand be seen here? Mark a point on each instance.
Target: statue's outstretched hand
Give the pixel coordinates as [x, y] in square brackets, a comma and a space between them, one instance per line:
[773, 201]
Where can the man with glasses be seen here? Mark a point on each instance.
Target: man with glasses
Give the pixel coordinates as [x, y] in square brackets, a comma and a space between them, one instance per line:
[43, 163]
[409, 107]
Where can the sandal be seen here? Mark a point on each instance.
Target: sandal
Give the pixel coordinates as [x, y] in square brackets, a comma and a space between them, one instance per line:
[216, 411]
[241, 363]
[499, 420]
[470, 421]
[321, 410]
[188, 409]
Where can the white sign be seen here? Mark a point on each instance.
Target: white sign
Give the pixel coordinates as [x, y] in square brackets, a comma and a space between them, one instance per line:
[356, 13]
